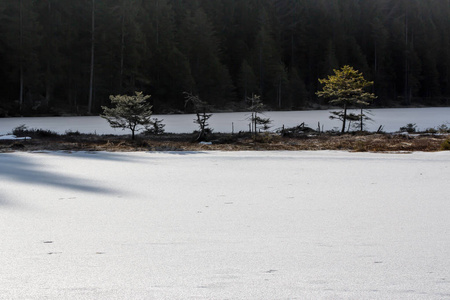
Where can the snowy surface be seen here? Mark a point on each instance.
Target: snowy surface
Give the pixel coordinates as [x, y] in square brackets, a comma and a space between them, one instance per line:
[391, 119]
[224, 225]
[13, 137]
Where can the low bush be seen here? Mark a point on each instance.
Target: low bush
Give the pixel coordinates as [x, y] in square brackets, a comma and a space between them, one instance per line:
[443, 129]
[73, 133]
[19, 130]
[410, 128]
[156, 127]
[360, 146]
[295, 131]
[445, 145]
[22, 131]
[266, 138]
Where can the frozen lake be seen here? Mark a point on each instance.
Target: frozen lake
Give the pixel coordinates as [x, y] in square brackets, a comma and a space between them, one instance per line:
[224, 225]
[219, 225]
[391, 119]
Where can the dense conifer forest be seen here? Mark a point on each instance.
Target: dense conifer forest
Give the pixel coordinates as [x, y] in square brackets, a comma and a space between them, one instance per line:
[69, 56]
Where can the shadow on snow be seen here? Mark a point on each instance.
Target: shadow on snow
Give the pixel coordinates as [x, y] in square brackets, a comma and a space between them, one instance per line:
[20, 169]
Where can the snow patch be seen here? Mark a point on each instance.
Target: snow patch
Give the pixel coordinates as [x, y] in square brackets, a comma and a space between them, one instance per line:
[13, 137]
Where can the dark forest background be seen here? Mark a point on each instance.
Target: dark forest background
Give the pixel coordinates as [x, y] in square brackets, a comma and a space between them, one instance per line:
[65, 56]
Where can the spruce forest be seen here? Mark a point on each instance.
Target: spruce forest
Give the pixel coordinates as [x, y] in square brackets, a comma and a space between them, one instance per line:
[65, 56]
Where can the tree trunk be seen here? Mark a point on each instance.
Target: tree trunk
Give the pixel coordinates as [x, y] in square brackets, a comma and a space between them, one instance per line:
[407, 97]
[261, 73]
[256, 116]
[48, 75]
[91, 81]
[344, 118]
[122, 48]
[279, 92]
[362, 120]
[48, 85]
[21, 55]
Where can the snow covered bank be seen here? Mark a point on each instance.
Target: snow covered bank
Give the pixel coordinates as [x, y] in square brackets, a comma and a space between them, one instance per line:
[224, 225]
[391, 119]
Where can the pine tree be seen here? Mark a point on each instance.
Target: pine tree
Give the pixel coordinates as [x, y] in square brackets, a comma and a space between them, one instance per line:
[22, 36]
[129, 112]
[247, 81]
[120, 49]
[167, 67]
[256, 107]
[212, 79]
[298, 95]
[201, 109]
[346, 89]
[266, 59]
[165, 47]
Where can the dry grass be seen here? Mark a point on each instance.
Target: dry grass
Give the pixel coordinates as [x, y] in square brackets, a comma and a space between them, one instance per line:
[227, 142]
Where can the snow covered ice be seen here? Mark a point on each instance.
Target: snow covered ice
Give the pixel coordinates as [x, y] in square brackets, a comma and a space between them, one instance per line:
[390, 119]
[224, 225]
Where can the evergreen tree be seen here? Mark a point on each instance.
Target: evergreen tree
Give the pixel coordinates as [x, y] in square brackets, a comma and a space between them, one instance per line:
[129, 112]
[346, 89]
[298, 94]
[22, 35]
[268, 63]
[167, 68]
[165, 47]
[201, 109]
[122, 44]
[76, 46]
[211, 77]
[247, 81]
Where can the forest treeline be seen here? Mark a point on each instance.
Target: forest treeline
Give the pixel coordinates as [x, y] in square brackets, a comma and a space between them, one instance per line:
[69, 56]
